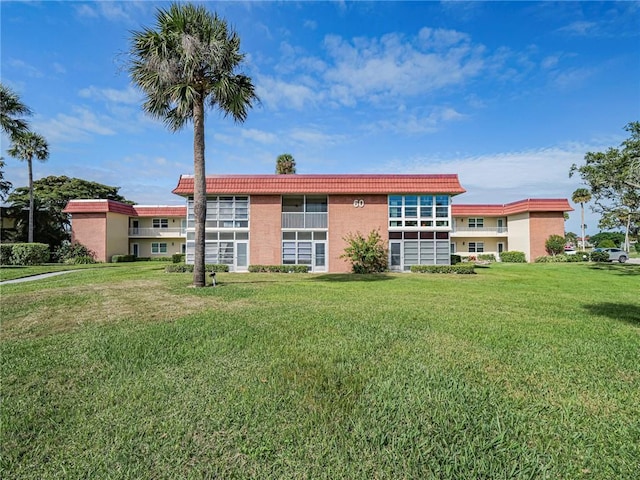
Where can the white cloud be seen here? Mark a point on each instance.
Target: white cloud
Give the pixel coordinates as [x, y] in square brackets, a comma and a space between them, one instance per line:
[28, 69]
[416, 124]
[580, 28]
[129, 96]
[73, 128]
[259, 136]
[277, 93]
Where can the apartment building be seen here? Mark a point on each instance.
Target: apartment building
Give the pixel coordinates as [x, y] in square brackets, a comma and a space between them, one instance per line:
[304, 219]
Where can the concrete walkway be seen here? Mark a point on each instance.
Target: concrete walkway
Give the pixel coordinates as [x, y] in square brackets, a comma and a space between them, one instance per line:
[36, 277]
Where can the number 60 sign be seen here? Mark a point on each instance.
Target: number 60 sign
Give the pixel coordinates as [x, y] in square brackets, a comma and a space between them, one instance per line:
[358, 203]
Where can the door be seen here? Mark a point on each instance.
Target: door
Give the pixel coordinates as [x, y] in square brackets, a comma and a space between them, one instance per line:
[135, 249]
[500, 225]
[241, 257]
[395, 253]
[135, 225]
[320, 257]
[500, 247]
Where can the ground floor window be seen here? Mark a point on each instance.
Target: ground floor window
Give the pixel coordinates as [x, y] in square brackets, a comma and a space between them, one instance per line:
[305, 248]
[418, 248]
[158, 248]
[228, 248]
[476, 247]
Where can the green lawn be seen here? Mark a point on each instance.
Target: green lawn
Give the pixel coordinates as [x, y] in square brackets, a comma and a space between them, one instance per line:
[520, 371]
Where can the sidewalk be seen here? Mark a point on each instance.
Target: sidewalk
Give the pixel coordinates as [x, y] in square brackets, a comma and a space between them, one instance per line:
[36, 277]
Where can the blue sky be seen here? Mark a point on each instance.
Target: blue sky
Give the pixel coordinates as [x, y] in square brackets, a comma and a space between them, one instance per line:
[506, 94]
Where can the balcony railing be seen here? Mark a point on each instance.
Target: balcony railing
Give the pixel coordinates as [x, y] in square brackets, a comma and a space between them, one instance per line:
[157, 232]
[483, 231]
[304, 220]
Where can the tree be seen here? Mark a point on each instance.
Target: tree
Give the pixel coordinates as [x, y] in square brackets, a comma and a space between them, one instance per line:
[581, 196]
[555, 245]
[367, 255]
[27, 146]
[612, 177]
[51, 195]
[617, 238]
[571, 238]
[10, 109]
[5, 185]
[187, 63]
[285, 164]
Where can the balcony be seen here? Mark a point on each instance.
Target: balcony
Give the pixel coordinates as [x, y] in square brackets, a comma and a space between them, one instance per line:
[480, 232]
[157, 232]
[304, 220]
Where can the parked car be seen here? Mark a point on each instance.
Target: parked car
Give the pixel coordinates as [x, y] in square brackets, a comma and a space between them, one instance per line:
[614, 254]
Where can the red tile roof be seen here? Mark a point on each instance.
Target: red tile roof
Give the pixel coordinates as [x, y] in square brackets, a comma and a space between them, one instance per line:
[103, 206]
[528, 205]
[323, 184]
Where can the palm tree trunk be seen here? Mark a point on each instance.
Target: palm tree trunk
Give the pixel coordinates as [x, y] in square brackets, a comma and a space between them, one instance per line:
[199, 191]
[31, 209]
[582, 224]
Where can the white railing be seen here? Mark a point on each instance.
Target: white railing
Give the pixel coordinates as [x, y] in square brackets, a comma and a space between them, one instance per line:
[482, 230]
[304, 220]
[157, 232]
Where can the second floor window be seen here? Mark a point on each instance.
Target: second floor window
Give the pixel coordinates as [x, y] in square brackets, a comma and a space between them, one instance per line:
[476, 223]
[160, 223]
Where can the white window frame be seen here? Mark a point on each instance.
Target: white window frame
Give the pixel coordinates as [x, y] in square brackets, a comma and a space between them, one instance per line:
[158, 246]
[160, 223]
[475, 222]
[478, 247]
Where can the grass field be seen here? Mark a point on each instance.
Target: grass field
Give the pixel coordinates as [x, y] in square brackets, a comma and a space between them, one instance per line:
[520, 371]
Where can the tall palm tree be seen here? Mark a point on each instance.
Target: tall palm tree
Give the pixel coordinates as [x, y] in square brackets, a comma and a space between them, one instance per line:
[28, 146]
[285, 164]
[188, 63]
[10, 109]
[581, 196]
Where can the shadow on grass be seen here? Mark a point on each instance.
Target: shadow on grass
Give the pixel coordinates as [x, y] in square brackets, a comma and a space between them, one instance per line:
[352, 277]
[620, 268]
[617, 311]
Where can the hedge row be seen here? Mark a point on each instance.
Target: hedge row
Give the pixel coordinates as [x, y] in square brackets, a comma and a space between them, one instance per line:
[279, 268]
[562, 258]
[24, 253]
[461, 268]
[184, 268]
[513, 257]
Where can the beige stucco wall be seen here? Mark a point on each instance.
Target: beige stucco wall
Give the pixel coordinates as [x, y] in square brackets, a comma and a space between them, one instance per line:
[117, 235]
[344, 218]
[174, 245]
[518, 239]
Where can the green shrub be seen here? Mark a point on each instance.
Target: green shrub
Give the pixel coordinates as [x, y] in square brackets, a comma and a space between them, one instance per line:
[461, 269]
[562, 258]
[607, 243]
[638, 246]
[5, 253]
[178, 258]
[82, 260]
[184, 268]
[554, 245]
[123, 258]
[455, 259]
[599, 257]
[156, 259]
[279, 268]
[143, 259]
[29, 254]
[367, 255]
[513, 257]
[66, 252]
[487, 257]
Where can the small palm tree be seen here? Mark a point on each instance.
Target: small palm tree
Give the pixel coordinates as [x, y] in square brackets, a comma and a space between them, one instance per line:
[189, 62]
[28, 146]
[581, 196]
[285, 164]
[10, 109]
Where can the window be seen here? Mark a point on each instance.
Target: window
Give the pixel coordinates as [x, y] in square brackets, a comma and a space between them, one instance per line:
[476, 223]
[297, 247]
[419, 211]
[304, 211]
[158, 248]
[476, 247]
[160, 223]
[222, 212]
